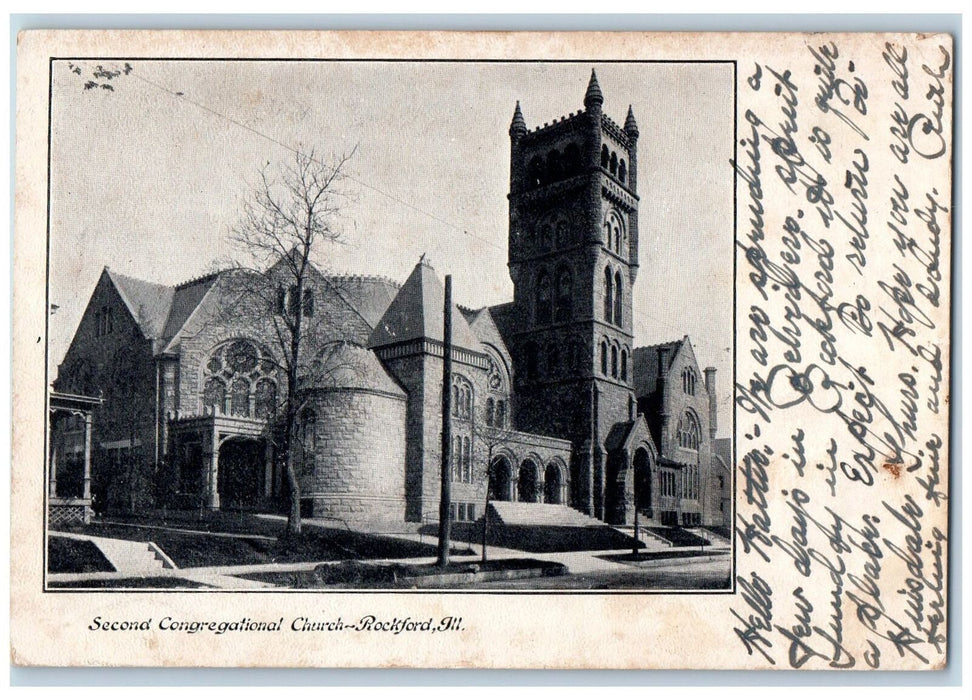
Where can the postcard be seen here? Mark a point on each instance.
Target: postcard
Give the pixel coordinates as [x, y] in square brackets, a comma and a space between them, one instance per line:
[488, 350]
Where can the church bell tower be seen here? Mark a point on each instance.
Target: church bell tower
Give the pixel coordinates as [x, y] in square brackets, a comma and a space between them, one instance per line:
[573, 259]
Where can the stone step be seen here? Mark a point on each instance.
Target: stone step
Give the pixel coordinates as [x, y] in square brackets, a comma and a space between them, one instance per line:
[133, 556]
[520, 513]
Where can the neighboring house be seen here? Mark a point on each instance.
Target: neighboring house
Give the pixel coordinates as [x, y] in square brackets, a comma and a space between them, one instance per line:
[548, 388]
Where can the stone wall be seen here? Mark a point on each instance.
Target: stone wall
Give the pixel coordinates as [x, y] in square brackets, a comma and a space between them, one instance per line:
[357, 470]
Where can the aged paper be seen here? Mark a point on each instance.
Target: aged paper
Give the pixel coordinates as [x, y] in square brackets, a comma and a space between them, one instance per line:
[688, 296]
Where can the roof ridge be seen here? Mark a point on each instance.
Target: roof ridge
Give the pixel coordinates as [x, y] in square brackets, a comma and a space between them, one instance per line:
[658, 345]
[377, 278]
[201, 278]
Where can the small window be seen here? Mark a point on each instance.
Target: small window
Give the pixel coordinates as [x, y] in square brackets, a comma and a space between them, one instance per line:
[618, 299]
[614, 362]
[308, 303]
[608, 294]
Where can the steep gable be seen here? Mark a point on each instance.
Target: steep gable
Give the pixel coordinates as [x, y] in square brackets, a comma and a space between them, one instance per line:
[147, 302]
[417, 312]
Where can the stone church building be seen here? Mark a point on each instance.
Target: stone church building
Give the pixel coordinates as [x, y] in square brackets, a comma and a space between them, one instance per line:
[552, 402]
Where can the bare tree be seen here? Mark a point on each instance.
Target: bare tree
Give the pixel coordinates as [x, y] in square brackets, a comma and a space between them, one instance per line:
[291, 217]
[488, 437]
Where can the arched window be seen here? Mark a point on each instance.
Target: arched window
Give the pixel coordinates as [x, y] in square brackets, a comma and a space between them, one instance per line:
[457, 458]
[462, 397]
[554, 168]
[688, 432]
[614, 232]
[624, 365]
[622, 171]
[688, 381]
[214, 395]
[543, 298]
[608, 294]
[564, 295]
[614, 163]
[571, 159]
[618, 299]
[605, 157]
[265, 398]
[466, 461]
[490, 411]
[531, 360]
[553, 361]
[501, 414]
[240, 378]
[535, 171]
[604, 360]
[614, 361]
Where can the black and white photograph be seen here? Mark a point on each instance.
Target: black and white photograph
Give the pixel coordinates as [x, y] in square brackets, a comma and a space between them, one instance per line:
[483, 350]
[390, 325]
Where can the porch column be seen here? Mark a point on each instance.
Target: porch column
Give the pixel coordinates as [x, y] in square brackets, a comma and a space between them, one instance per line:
[87, 456]
[268, 470]
[212, 456]
[541, 486]
[598, 460]
[52, 476]
[628, 487]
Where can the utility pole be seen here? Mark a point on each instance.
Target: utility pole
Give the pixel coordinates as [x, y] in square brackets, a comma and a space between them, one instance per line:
[445, 493]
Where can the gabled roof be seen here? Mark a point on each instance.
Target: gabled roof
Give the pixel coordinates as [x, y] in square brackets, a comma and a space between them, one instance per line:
[645, 365]
[483, 327]
[625, 434]
[722, 449]
[369, 296]
[147, 302]
[504, 316]
[185, 299]
[417, 311]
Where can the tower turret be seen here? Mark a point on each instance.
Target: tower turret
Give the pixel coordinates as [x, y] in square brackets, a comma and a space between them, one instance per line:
[594, 98]
[572, 253]
[518, 127]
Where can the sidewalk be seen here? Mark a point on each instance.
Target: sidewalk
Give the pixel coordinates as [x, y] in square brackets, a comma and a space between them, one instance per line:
[228, 577]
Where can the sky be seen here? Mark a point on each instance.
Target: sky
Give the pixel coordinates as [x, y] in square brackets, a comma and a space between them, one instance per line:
[150, 178]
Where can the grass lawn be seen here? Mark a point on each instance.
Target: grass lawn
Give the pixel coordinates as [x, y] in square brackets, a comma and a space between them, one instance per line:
[314, 544]
[356, 574]
[147, 582]
[68, 556]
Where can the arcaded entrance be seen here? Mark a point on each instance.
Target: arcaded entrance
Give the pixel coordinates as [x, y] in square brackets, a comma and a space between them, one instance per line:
[642, 482]
[501, 480]
[553, 484]
[527, 486]
[242, 472]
